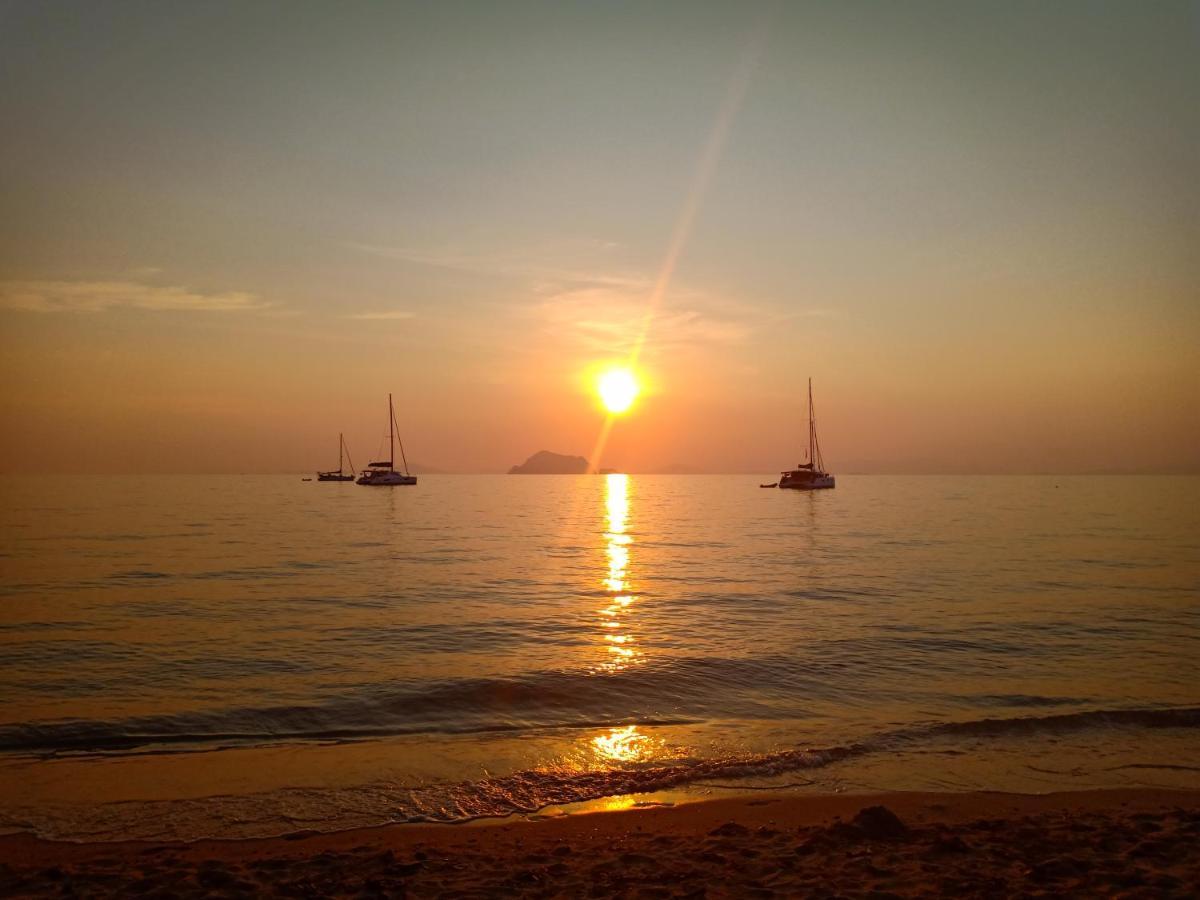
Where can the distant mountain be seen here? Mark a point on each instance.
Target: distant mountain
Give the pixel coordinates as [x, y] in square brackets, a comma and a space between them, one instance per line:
[677, 469]
[418, 468]
[546, 463]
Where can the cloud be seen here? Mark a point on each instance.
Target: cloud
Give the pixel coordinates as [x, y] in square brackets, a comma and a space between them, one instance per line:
[442, 258]
[581, 295]
[97, 296]
[383, 315]
[544, 259]
[609, 317]
[812, 313]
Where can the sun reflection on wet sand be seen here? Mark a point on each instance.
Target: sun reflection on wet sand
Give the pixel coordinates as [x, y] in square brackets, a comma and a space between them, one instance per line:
[626, 745]
[616, 804]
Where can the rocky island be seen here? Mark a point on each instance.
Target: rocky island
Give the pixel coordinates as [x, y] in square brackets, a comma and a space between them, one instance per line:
[546, 463]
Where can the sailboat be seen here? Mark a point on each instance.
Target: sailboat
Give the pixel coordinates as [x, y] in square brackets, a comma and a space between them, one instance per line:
[339, 475]
[811, 475]
[384, 472]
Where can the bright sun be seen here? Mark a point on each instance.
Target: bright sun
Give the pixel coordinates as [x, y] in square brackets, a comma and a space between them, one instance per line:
[618, 389]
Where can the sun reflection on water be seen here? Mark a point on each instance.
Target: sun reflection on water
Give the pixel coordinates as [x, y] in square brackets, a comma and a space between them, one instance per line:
[626, 745]
[622, 746]
[616, 638]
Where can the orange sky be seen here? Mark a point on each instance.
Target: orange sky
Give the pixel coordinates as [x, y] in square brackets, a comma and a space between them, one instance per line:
[228, 235]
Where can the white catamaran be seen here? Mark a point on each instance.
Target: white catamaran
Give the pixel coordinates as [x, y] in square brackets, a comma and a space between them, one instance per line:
[811, 475]
[384, 472]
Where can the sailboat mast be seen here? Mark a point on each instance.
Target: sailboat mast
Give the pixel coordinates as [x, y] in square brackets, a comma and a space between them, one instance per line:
[811, 456]
[340, 442]
[391, 436]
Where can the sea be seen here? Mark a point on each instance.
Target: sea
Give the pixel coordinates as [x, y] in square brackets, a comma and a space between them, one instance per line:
[237, 656]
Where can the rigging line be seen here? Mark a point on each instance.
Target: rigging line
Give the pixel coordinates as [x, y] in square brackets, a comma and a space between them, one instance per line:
[400, 441]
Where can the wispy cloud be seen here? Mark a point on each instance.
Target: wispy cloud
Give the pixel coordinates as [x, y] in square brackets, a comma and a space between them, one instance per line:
[539, 260]
[813, 312]
[442, 258]
[610, 317]
[98, 296]
[383, 315]
[577, 293]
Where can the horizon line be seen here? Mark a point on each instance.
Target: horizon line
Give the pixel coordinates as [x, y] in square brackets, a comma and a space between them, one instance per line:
[1094, 473]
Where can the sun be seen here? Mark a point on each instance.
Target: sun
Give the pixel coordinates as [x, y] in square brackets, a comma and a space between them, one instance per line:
[618, 389]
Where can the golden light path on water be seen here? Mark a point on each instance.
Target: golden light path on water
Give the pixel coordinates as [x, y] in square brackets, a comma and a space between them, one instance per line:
[624, 744]
[619, 640]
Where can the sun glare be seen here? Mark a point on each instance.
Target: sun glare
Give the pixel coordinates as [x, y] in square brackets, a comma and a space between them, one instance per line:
[618, 389]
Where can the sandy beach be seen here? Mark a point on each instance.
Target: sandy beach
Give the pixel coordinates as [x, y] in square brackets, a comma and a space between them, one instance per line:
[1142, 843]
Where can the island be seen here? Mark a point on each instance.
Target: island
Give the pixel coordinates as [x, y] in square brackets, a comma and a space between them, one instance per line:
[546, 463]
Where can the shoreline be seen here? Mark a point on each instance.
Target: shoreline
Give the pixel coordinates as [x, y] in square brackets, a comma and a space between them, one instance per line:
[1093, 841]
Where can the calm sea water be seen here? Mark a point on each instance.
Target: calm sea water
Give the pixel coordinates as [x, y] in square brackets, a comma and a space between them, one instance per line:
[252, 655]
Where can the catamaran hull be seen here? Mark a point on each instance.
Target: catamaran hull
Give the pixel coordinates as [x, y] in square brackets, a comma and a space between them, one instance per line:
[321, 476]
[388, 479]
[813, 484]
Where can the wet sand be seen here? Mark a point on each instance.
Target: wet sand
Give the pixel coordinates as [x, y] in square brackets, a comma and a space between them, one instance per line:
[1129, 843]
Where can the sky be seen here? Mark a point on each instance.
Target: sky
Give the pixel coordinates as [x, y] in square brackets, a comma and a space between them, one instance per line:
[229, 230]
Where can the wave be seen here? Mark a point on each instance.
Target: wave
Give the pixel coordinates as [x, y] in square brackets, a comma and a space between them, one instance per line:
[548, 701]
[533, 790]
[680, 691]
[525, 791]
[378, 803]
[543, 700]
[1172, 717]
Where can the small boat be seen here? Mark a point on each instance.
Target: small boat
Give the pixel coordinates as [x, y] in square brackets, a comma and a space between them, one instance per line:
[339, 475]
[384, 472]
[811, 475]
[772, 484]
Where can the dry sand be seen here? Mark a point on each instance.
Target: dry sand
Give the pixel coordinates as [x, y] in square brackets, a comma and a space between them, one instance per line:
[1096, 843]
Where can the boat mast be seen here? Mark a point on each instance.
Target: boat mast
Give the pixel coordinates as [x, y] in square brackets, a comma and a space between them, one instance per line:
[812, 459]
[340, 442]
[391, 436]
[813, 441]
